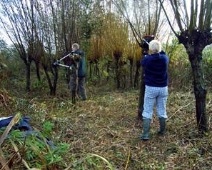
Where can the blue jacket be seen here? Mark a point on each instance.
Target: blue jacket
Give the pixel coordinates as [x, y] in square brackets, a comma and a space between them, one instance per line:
[82, 63]
[22, 124]
[156, 69]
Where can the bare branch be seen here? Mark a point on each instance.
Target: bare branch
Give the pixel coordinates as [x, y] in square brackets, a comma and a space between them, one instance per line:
[208, 15]
[193, 15]
[157, 16]
[168, 19]
[201, 14]
[126, 16]
[186, 13]
[175, 7]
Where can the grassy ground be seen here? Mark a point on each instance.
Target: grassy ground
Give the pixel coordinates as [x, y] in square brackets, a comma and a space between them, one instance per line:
[103, 132]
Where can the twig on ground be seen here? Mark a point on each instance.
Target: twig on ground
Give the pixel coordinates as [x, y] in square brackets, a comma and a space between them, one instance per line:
[19, 155]
[178, 110]
[14, 120]
[3, 161]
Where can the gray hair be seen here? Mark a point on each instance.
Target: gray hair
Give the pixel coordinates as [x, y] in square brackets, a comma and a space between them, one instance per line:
[155, 46]
[75, 45]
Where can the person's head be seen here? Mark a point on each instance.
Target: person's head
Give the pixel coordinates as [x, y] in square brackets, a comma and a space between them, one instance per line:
[154, 46]
[75, 46]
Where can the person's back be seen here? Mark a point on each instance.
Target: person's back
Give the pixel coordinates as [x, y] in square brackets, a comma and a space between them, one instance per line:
[155, 69]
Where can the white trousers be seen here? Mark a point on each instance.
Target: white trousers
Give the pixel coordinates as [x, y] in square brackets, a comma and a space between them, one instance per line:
[155, 96]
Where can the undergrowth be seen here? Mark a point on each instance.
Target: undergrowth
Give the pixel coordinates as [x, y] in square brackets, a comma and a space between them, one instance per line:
[103, 133]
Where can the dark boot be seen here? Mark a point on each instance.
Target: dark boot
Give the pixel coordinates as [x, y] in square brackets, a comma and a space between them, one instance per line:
[146, 128]
[162, 122]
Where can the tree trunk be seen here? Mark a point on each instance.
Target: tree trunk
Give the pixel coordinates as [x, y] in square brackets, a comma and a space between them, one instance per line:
[195, 41]
[136, 74]
[131, 72]
[141, 96]
[118, 85]
[37, 70]
[49, 81]
[199, 92]
[28, 81]
[90, 66]
[117, 56]
[55, 80]
[108, 69]
[96, 69]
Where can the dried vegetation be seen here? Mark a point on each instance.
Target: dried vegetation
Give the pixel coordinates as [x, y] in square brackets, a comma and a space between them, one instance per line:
[103, 132]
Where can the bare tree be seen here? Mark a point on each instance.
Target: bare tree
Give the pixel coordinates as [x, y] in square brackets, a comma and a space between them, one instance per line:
[195, 34]
[17, 22]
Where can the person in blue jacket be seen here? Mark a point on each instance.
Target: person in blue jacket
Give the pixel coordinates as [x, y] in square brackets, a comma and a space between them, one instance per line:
[155, 66]
[77, 79]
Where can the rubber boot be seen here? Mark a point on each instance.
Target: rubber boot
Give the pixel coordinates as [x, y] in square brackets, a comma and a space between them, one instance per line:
[146, 128]
[162, 122]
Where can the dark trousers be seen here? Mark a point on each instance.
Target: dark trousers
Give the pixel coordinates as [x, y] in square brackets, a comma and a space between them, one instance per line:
[81, 88]
[77, 87]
